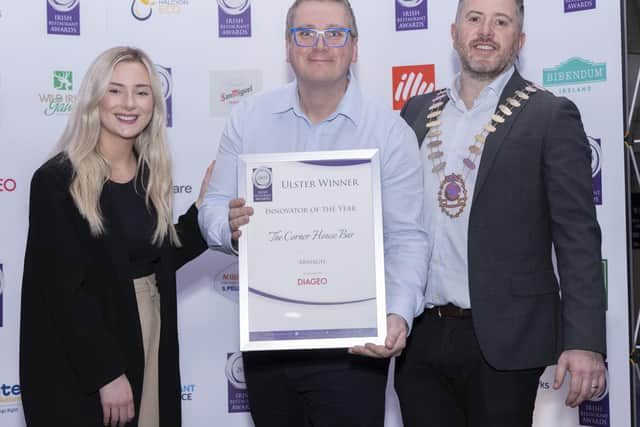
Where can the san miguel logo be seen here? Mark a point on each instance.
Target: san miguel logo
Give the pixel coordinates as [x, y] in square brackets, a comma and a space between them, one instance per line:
[410, 81]
[63, 17]
[578, 5]
[229, 87]
[167, 90]
[411, 15]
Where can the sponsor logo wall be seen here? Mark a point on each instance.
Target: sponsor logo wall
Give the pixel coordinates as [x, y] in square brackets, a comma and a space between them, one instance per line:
[230, 50]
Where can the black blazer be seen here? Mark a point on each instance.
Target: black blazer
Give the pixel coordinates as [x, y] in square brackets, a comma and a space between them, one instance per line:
[533, 189]
[79, 325]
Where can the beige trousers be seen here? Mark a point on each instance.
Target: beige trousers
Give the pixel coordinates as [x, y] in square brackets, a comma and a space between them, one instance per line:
[148, 300]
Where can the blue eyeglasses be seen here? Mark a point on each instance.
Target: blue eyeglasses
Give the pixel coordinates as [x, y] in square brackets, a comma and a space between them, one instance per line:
[332, 37]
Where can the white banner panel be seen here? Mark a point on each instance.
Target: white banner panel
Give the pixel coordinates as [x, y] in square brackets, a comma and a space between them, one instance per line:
[211, 55]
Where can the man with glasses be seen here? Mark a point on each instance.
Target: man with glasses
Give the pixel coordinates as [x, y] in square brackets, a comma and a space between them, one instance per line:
[323, 109]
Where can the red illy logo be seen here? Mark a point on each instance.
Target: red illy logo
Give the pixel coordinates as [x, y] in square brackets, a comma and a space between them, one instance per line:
[412, 80]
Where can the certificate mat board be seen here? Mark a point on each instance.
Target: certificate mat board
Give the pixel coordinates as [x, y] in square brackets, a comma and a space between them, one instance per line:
[312, 256]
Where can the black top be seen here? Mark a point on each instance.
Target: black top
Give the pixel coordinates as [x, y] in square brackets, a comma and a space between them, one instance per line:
[135, 224]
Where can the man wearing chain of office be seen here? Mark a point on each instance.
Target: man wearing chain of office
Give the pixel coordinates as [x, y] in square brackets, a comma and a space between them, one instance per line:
[507, 176]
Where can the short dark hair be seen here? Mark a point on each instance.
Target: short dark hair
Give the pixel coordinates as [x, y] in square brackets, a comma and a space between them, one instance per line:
[352, 17]
[519, 11]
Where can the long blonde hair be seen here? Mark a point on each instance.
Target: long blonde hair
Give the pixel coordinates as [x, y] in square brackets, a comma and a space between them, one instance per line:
[91, 170]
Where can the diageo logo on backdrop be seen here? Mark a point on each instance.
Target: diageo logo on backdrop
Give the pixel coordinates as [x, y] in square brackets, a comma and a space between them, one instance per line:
[61, 100]
[410, 81]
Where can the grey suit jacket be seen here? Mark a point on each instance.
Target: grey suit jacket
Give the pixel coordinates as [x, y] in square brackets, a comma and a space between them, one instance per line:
[533, 190]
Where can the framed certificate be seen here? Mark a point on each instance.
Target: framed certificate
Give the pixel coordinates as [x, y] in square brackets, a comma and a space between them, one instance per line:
[312, 257]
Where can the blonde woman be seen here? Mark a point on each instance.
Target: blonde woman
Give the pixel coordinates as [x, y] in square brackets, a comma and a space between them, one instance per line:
[98, 337]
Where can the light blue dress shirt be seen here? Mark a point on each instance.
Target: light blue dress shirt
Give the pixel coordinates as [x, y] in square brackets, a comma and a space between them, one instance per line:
[448, 277]
[274, 122]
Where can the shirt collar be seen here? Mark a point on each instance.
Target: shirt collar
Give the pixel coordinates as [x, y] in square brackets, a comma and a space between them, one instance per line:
[493, 89]
[349, 106]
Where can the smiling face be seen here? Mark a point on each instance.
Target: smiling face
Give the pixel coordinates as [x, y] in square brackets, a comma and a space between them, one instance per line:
[127, 106]
[487, 36]
[321, 65]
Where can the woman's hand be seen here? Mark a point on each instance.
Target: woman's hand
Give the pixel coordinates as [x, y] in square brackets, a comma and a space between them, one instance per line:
[117, 402]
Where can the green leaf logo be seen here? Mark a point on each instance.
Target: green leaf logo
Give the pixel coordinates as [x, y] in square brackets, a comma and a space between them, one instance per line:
[63, 80]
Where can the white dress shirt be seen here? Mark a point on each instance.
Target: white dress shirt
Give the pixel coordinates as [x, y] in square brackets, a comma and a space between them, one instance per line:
[274, 122]
[447, 278]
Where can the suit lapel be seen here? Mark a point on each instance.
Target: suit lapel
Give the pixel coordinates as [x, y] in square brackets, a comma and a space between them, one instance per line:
[419, 125]
[495, 140]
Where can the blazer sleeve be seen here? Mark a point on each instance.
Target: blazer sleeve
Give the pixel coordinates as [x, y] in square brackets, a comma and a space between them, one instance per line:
[193, 244]
[55, 286]
[574, 228]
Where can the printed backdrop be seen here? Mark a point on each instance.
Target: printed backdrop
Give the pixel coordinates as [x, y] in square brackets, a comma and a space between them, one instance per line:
[211, 55]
